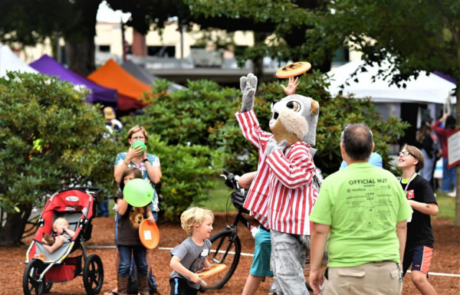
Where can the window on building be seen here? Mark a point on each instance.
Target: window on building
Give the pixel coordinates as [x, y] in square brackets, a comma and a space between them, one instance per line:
[161, 51]
[104, 48]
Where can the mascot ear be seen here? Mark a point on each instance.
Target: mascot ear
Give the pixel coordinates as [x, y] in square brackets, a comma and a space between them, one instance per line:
[314, 107]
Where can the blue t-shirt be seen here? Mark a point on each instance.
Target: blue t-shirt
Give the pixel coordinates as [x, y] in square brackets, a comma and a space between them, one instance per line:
[154, 161]
[375, 160]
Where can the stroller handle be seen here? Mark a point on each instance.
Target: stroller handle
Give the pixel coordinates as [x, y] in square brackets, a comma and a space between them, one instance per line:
[95, 191]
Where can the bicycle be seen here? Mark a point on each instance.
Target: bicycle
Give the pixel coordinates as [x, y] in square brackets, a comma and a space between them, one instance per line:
[226, 245]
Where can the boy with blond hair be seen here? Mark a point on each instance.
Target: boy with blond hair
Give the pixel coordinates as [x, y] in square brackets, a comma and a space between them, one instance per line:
[190, 255]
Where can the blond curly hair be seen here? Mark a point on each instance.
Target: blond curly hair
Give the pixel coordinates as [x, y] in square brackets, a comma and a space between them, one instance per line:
[194, 216]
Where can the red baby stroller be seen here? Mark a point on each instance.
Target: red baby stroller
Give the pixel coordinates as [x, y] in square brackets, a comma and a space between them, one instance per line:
[76, 205]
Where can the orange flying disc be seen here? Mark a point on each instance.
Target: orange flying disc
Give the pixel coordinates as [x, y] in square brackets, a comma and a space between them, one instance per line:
[149, 234]
[212, 270]
[292, 70]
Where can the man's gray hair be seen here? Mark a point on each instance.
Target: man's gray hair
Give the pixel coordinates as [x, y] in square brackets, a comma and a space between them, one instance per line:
[357, 141]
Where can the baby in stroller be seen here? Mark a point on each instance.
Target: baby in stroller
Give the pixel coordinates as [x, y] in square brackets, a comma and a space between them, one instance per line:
[64, 227]
[61, 234]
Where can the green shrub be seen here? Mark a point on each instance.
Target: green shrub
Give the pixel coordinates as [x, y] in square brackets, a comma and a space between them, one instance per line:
[49, 136]
[187, 174]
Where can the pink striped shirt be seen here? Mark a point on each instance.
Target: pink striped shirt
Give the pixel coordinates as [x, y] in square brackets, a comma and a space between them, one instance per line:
[282, 193]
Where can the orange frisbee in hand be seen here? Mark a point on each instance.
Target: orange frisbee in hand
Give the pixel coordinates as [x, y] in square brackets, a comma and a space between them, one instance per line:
[292, 70]
[212, 270]
[149, 234]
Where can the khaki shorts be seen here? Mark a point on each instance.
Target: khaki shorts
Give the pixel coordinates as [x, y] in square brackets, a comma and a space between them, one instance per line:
[378, 278]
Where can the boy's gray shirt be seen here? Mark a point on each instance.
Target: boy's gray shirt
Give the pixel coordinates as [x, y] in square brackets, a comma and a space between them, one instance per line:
[192, 257]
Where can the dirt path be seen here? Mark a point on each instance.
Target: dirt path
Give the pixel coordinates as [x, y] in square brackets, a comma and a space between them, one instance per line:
[446, 260]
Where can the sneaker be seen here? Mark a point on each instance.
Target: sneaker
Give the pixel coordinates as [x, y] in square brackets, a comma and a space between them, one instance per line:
[272, 290]
[452, 194]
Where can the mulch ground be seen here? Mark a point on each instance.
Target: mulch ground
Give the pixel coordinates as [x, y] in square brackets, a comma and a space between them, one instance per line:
[445, 260]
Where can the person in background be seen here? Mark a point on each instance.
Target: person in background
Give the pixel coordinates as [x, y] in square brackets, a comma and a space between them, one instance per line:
[449, 177]
[420, 239]
[375, 160]
[110, 119]
[426, 144]
[364, 211]
[149, 165]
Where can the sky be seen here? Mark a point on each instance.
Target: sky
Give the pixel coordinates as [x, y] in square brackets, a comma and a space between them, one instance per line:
[106, 14]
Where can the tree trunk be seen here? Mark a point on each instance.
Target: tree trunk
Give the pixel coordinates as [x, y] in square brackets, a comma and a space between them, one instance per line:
[80, 56]
[258, 62]
[79, 38]
[11, 232]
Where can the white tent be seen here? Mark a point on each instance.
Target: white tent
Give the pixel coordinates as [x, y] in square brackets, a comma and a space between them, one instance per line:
[11, 62]
[424, 89]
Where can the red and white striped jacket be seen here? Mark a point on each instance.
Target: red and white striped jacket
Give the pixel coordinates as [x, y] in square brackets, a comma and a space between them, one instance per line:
[282, 193]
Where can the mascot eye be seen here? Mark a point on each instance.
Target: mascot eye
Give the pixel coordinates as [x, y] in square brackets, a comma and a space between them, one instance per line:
[293, 105]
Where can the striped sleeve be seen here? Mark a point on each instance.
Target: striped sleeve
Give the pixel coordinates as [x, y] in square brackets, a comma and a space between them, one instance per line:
[295, 171]
[250, 127]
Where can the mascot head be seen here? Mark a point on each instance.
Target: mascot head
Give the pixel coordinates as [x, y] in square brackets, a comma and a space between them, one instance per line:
[294, 118]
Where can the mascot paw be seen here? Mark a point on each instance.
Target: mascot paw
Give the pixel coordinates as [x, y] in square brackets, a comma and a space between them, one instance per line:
[248, 87]
[272, 146]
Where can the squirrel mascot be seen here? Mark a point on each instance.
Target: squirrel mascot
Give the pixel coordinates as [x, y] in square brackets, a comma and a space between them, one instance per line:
[283, 192]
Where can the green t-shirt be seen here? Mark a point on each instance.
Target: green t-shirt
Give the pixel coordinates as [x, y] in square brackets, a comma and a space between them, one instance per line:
[362, 204]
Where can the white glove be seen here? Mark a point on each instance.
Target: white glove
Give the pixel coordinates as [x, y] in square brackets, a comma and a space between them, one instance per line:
[248, 87]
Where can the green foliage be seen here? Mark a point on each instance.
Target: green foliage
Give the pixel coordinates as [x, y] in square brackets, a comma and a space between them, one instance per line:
[187, 174]
[48, 136]
[289, 22]
[414, 35]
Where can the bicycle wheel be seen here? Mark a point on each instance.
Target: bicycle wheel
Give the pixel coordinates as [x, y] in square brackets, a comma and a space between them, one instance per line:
[226, 249]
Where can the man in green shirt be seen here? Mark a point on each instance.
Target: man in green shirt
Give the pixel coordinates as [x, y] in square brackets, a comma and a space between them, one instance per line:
[364, 211]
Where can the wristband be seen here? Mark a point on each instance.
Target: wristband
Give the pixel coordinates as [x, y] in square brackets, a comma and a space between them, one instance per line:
[145, 160]
[127, 164]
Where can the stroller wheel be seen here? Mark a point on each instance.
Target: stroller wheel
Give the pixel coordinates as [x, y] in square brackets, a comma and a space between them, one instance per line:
[30, 283]
[93, 274]
[48, 287]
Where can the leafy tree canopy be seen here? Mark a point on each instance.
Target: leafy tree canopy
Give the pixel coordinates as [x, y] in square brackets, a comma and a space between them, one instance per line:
[49, 138]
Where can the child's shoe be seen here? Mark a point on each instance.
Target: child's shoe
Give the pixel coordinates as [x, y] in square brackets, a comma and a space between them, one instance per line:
[122, 285]
[143, 284]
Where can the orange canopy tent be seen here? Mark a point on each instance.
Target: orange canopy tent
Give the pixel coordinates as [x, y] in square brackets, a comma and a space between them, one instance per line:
[129, 89]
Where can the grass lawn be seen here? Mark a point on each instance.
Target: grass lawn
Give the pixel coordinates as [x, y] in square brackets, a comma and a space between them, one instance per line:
[218, 198]
[446, 206]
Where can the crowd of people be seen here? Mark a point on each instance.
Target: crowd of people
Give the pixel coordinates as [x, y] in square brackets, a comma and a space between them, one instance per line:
[373, 225]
